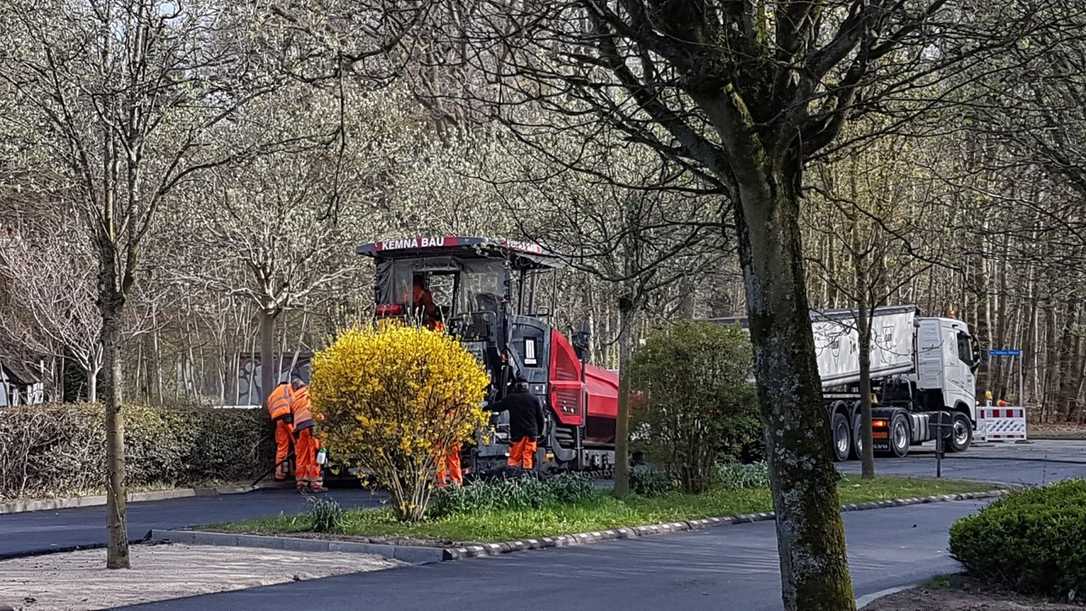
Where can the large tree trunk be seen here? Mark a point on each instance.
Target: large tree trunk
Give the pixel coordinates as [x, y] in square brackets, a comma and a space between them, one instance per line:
[111, 305]
[810, 534]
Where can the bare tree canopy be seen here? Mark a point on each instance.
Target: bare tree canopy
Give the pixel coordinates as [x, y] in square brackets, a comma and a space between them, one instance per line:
[741, 95]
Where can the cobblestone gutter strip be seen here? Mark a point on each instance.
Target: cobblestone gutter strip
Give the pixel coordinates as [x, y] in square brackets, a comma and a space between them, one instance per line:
[422, 551]
[133, 497]
[493, 549]
[405, 553]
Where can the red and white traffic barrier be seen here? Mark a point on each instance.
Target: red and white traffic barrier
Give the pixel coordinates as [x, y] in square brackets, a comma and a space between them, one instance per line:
[1001, 423]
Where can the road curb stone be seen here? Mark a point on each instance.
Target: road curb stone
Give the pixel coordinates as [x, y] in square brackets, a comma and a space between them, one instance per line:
[405, 553]
[631, 532]
[419, 553]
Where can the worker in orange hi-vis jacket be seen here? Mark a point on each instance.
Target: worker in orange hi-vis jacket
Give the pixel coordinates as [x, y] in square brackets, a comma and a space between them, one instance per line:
[525, 424]
[278, 404]
[448, 468]
[307, 472]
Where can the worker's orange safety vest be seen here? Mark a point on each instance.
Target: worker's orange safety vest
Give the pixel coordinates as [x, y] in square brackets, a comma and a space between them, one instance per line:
[279, 401]
[299, 408]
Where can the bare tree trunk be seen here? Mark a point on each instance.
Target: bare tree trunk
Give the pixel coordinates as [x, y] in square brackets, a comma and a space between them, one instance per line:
[687, 294]
[627, 320]
[1052, 363]
[863, 320]
[1065, 366]
[1033, 362]
[810, 533]
[60, 379]
[112, 306]
[267, 352]
[159, 392]
[92, 384]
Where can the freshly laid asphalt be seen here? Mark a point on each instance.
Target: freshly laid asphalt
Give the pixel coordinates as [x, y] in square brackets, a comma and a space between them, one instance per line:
[63, 529]
[729, 567]
[1033, 463]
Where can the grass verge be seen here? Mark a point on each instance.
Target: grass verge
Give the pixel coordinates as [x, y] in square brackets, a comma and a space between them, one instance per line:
[600, 512]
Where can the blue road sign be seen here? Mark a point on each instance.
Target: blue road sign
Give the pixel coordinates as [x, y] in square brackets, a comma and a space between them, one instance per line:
[1005, 352]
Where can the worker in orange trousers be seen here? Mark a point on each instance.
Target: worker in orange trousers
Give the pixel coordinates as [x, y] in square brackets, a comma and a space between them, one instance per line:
[448, 468]
[307, 473]
[525, 424]
[278, 404]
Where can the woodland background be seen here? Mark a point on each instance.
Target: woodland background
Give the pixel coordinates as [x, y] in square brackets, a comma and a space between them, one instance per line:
[974, 208]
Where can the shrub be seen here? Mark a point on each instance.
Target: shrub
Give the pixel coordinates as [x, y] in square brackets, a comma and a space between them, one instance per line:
[738, 476]
[699, 403]
[1033, 541]
[650, 482]
[527, 492]
[393, 399]
[60, 449]
[743, 440]
[325, 515]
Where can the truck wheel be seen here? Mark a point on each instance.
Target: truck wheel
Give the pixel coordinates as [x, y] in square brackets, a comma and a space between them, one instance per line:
[899, 436]
[842, 436]
[961, 434]
[857, 437]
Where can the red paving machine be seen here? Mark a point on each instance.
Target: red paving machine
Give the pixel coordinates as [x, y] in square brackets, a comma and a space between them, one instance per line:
[484, 293]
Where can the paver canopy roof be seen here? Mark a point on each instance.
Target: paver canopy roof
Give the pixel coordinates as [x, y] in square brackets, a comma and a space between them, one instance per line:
[522, 255]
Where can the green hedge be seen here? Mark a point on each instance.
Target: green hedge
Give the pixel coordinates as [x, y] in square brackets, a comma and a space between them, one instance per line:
[60, 449]
[1033, 541]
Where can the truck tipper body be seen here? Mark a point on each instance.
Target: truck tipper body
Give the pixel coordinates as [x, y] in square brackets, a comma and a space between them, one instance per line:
[923, 378]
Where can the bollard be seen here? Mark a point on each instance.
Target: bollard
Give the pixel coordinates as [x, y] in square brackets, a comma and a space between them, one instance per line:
[939, 447]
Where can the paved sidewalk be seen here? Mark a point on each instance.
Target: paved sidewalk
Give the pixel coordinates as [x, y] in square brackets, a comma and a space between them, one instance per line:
[79, 580]
[45, 531]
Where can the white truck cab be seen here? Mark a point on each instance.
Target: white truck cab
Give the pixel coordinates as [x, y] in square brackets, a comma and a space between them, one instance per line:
[946, 360]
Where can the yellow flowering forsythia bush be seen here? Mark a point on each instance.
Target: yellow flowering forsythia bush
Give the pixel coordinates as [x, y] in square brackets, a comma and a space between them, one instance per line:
[393, 399]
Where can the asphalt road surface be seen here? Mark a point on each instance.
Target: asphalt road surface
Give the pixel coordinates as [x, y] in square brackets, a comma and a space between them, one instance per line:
[1032, 463]
[45, 531]
[733, 567]
[729, 567]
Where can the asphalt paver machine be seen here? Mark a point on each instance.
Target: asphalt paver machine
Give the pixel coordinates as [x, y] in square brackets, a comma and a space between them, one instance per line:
[484, 292]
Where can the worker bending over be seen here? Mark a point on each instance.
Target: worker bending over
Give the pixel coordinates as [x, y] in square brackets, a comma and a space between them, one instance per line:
[448, 468]
[278, 403]
[307, 473]
[525, 423]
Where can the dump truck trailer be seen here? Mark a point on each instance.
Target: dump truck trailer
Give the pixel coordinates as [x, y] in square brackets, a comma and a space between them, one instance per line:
[923, 377]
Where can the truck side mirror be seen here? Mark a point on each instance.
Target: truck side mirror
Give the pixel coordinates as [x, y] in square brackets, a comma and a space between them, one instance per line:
[581, 342]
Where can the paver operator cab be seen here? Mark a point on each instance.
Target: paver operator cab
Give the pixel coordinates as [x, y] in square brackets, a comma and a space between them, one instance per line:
[483, 291]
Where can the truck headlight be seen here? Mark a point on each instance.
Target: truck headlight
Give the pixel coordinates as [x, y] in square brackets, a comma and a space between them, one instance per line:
[539, 389]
